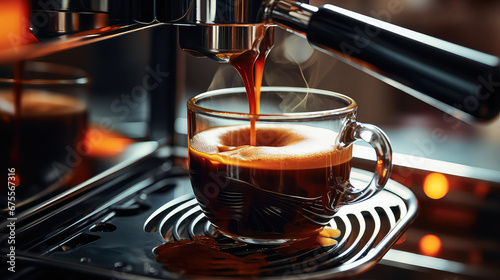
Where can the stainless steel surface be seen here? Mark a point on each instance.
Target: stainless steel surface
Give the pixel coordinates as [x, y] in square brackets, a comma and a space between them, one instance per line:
[367, 230]
[63, 23]
[224, 12]
[291, 15]
[68, 42]
[121, 226]
[220, 42]
[219, 29]
[236, 11]
[51, 19]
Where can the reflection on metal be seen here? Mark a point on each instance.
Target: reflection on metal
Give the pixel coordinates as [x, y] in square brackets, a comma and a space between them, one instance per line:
[157, 205]
[410, 163]
[31, 51]
[220, 42]
[422, 263]
[133, 153]
[367, 229]
[99, 142]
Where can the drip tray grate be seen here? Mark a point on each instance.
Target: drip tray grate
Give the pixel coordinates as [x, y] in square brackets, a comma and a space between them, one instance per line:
[121, 241]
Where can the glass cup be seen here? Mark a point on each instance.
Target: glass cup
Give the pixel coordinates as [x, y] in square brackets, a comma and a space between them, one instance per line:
[290, 184]
[43, 117]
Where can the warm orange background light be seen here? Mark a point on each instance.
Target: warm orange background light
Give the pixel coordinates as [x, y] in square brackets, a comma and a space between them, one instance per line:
[14, 24]
[430, 245]
[101, 143]
[436, 185]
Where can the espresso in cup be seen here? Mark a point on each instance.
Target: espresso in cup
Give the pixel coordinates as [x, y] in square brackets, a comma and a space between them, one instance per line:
[281, 188]
[280, 175]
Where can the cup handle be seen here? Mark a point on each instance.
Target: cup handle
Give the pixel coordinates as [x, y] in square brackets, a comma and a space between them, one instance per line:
[374, 136]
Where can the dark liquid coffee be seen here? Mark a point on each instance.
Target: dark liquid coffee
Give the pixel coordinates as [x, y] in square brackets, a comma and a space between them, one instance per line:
[37, 139]
[285, 187]
[250, 66]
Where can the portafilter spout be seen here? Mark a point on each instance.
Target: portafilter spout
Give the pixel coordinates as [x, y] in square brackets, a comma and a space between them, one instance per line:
[220, 29]
[461, 82]
[220, 41]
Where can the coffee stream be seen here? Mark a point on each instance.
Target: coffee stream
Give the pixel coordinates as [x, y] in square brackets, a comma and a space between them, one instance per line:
[250, 66]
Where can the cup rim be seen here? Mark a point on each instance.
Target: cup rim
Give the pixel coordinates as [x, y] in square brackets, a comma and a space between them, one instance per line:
[73, 76]
[192, 104]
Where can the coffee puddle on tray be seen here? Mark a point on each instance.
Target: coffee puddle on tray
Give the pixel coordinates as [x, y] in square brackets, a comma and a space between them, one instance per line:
[211, 256]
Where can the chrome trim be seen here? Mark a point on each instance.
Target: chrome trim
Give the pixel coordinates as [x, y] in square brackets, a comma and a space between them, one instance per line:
[291, 15]
[418, 262]
[431, 165]
[136, 151]
[220, 42]
[66, 42]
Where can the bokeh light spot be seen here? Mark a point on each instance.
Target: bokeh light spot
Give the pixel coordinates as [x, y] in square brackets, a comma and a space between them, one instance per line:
[430, 245]
[436, 185]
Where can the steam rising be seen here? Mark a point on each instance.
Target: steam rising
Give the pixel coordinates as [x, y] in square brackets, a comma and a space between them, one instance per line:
[292, 62]
[298, 102]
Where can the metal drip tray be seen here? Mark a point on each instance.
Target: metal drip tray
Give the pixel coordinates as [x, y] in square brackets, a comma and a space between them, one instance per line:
[367, 230]
[119, 240]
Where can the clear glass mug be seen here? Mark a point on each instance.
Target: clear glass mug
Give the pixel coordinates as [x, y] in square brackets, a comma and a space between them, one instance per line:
[43, 118]
[291, 183]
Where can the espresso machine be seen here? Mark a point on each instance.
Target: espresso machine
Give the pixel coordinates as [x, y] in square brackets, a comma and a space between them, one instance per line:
[130, 191]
